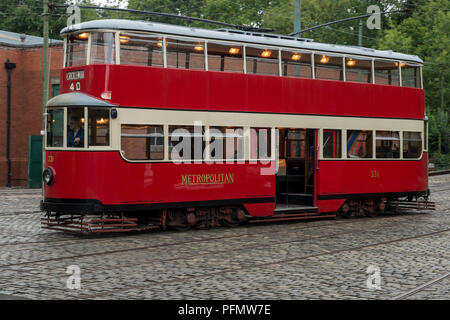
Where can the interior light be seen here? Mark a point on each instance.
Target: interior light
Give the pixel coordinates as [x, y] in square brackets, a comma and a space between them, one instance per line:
[266, 53]
[198, 47]
[82, 36]
[324, 59]
[296, 56]
[82, 120]
[234, 50]
[124, 39]
[351, 62]
[401, 64]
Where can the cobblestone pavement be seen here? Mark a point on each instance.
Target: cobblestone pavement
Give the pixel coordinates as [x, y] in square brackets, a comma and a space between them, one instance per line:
[326, 259]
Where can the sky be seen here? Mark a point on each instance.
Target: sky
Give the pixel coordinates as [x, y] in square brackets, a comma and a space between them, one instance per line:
[105, 2]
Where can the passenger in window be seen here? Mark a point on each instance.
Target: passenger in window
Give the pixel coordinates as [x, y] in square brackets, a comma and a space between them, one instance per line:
[75, 136]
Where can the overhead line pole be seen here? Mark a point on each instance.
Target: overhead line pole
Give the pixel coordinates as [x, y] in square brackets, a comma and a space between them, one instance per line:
[45, 70]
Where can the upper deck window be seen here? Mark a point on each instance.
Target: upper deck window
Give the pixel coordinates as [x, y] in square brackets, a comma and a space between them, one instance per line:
[76, 53]
[141, 50]
[296, 64]
[262, 61]
[225, 57]
[410, 75]
[358, 70]
[386, 72]
[328, 67]
[102, 48]
[185, 54]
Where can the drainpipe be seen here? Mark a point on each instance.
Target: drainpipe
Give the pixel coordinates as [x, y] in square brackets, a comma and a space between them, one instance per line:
[9, 66]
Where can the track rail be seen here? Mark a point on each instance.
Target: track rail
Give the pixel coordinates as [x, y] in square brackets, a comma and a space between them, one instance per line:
[422, 287]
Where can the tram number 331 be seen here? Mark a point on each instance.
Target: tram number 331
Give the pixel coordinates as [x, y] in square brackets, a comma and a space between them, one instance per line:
[374, 173]
[75, 86]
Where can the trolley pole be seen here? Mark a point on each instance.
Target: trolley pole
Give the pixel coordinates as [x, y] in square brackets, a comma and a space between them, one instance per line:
[45, 70]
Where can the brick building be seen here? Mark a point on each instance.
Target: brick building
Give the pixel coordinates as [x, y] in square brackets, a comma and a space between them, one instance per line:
[26, 98]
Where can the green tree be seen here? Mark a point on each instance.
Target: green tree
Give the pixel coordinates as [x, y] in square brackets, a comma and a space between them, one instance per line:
[426, 33]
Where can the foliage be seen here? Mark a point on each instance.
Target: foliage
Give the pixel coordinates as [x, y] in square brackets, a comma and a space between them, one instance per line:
[421, 28]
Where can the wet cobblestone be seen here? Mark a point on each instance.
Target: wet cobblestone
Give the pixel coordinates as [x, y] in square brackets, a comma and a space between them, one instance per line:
[326, 259]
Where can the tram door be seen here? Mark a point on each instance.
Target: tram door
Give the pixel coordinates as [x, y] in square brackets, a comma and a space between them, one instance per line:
[295, 177]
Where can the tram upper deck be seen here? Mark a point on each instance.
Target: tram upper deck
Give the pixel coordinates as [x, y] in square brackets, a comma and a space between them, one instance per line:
[248, 71]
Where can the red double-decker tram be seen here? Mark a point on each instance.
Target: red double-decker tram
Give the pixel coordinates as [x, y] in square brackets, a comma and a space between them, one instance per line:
[167, 126]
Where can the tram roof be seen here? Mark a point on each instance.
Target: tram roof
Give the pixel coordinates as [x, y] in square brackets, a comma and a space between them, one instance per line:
[237, 36]
[76, 99]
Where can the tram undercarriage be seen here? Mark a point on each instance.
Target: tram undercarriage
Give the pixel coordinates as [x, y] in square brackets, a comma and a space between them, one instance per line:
[183, 219]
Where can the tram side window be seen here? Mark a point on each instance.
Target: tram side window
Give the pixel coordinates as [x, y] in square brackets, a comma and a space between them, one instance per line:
[388, 144]
[260, 143]
[76, 53]
[186, 142]
[386, 72]
[359, 144]
[226, 143]
[410, 75]
[142, 142]
[75, 127]
[332, 143]
[296, 64]
[55, 128]
[225, 57]
[328, 67]
[102, 48]
[98, 127]
[141, 50]
[412, 145]
[262, 61]
[358, 70]
[185, 54]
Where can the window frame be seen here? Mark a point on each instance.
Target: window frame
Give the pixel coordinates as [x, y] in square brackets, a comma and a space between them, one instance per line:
[164, 127]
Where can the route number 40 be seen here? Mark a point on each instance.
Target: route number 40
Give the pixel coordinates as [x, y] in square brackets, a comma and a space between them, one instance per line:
[75, 86]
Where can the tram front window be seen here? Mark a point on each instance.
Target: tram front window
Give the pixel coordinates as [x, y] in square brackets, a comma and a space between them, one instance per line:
[75, 128]
[55, 128]
[98, 128]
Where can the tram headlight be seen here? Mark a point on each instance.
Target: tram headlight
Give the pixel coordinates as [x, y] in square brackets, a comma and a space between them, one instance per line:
[48, 176]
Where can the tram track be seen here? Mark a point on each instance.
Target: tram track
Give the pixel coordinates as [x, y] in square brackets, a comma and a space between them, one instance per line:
[234, 249]
[422, 287]
[293, 224]
[267, 264]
